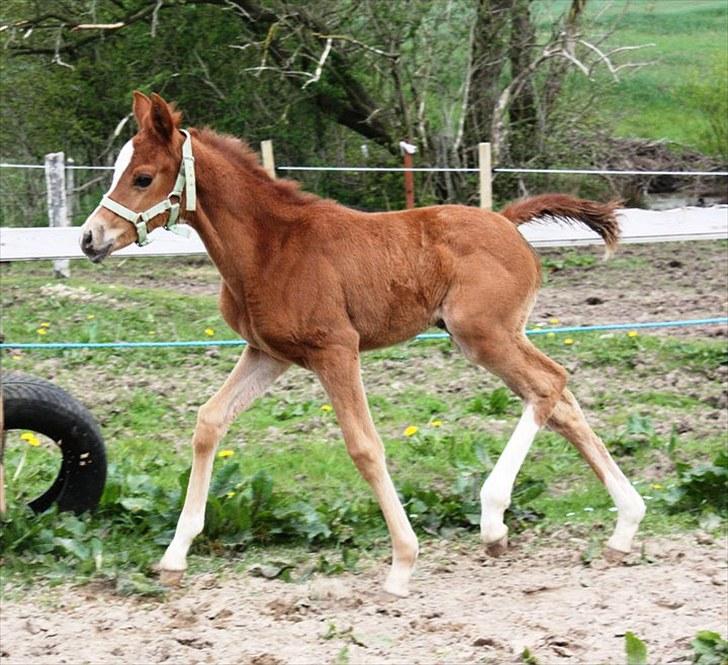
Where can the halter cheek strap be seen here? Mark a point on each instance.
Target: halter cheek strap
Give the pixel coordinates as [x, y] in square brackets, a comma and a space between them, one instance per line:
[185, 181]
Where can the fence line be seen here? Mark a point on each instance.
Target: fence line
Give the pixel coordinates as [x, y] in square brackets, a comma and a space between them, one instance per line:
[419, 169]
[723, 320]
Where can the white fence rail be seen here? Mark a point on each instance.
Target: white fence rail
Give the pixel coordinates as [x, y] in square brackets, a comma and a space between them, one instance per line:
[60, 242]
[638, 226]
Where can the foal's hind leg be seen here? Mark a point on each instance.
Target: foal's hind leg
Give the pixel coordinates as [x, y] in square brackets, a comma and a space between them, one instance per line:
[252, 375]
[568, 420]
[539, 381]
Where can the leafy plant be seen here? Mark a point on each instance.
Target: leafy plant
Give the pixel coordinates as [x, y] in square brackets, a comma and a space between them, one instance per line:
[635, 649]
[496, 403]
[700, 487]
[709, 648]
[637, 433]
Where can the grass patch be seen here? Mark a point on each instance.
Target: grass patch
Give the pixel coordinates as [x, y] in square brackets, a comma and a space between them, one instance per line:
[287, 481]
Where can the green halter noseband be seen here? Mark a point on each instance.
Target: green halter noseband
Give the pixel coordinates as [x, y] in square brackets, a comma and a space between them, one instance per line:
[185, 180]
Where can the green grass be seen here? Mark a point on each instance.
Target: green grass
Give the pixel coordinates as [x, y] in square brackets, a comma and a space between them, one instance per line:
[292, 483]
[659, 101]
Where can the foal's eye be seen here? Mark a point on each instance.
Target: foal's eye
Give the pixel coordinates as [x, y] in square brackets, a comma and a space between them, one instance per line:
[142, 180]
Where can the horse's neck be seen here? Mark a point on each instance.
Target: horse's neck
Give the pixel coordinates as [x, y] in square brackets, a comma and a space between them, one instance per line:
[231, 215]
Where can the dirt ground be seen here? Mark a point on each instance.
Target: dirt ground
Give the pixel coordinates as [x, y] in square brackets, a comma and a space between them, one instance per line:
[464, 608]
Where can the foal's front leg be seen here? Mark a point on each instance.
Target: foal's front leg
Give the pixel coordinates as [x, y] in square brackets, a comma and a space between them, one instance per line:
[339, 373]
[252, 375]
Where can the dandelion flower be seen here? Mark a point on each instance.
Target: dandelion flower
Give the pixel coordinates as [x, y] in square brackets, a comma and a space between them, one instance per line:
[327, 408]
[209, 332]
[436, 423]
[30, 438]
[45, 324]
[568, 341]
[224, 454]
[632, 333]
[42, 331]
[411, 430]
[553, 320]
[550, 334]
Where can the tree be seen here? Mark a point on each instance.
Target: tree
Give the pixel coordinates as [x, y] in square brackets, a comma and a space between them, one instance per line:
[445, 75]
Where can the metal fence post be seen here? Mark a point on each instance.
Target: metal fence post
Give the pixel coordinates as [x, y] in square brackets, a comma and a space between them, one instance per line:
[55, 172]
[269, 164]
[486, 176]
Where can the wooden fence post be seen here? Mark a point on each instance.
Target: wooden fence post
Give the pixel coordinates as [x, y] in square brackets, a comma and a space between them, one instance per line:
[408, 149]
[486, 176]
[71, 198]
[55, 172]
[269, 164]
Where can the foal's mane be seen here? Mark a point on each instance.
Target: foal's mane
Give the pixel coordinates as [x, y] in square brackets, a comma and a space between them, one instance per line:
[239, 153]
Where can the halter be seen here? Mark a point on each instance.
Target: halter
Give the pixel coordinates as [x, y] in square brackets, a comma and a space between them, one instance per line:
[185, 180]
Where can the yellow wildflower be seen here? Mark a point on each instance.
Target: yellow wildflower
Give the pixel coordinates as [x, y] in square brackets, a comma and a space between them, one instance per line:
[656, 486]
[224, 454]
[436, 423]
[30, 438]
[550, 334]
[553, 320]
[90, 317]
[568, 341]
[45, 324]
[209, 332]
[411, 430]
[42, 331]
[327, 408]
[632, 333]
[230, 494]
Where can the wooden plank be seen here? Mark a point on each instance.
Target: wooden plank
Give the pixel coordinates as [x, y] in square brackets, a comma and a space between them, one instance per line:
[638, 226]
[485, 176]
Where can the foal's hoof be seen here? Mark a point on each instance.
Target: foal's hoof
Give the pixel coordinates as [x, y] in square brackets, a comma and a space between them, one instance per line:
[170, 578]
[497, 547]
[613, 556]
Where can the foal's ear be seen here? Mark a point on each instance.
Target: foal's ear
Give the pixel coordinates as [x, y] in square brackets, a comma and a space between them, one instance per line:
[164, 119]
[140, 107]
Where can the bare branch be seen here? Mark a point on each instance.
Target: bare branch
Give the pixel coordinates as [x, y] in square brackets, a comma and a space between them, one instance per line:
[321, 62]
[347, 38]
[98, 26]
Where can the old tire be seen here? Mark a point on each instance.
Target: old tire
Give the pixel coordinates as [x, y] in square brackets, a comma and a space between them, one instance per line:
[30, 403]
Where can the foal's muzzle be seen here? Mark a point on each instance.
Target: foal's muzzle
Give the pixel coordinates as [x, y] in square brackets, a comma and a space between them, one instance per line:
[96, 254]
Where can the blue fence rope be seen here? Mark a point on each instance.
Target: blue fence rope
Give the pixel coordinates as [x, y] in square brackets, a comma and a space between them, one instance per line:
[722, 320]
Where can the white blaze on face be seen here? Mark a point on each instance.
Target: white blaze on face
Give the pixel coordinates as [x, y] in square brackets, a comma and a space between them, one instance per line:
[122, 162]
[96, 224]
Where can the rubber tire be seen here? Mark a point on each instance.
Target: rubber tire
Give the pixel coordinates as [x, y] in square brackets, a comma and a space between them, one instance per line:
[30, 403]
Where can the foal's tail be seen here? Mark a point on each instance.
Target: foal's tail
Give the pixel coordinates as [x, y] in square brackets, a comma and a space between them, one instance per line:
[599, 217]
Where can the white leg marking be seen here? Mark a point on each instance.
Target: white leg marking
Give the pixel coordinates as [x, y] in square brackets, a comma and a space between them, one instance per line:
[630, 510]
[495, 496]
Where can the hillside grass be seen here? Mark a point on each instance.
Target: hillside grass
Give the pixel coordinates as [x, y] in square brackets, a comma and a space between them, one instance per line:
[659, 100]
[285, 480]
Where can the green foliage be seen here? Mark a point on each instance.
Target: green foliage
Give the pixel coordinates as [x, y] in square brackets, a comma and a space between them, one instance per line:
[709, 92]
[701, 487]
[498, 402]
[528, 658]
[635, 649]
[709, 648]
[638, 432]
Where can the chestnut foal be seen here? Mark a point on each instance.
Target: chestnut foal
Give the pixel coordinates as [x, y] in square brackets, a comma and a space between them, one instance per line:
[310, 282]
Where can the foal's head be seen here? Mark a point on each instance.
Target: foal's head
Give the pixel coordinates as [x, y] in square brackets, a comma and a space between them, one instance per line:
[144, 174]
